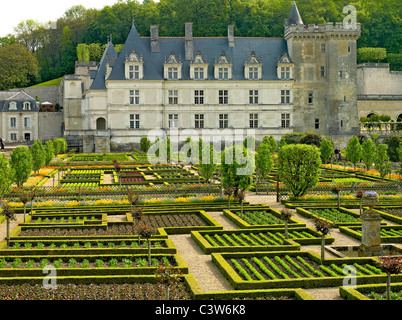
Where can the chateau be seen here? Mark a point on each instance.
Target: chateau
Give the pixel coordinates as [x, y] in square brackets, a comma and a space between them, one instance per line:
[274, 86]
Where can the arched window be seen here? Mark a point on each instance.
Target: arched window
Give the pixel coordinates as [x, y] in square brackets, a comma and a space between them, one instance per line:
[13, 105]
[26, 106]
[100, 124]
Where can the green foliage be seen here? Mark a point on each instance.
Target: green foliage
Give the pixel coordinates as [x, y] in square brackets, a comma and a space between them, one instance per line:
[38, 155]
[264, 160]
[22, 164]
[18, 67]
[237, 168]
[368, 153]
[208, 162]
[381, 160]
[49, 152]
[393, 143]
[311, 138]
[271, 142]
[145, 144]
[298, 167]
[82, 52]
[371, 54]
[354, 151]
[6, 174]
[326, 149]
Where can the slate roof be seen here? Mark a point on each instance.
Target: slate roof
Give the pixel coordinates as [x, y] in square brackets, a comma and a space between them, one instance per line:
[268, 50]
[19, 98]
[294, 16]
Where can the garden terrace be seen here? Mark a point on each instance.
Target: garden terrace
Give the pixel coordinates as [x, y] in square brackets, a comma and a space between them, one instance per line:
[371, 291]
[335, 216]
[293, 269]
[389, 234]
[87, 265]
[247, 240]
[256, 218]
[390, 213]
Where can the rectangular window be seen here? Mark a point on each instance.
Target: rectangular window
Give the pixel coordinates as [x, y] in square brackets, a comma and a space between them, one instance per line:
[341, 123]
[310, 98]
[285, 96]
[134, 96]
[199, 73]
[341, 74]
[285, 120]
[173, 96]
[134, 72]
[323, 48]
[253, 96]
[173, 73]
[253, 120]
[173, 120]
[253, 73]
[199, 121]
[198, 96]
[322, 72]
[134, 121]
[13, 137]
[317, 123]
[285, 73]
[27, 122]
[223, 120]
[223, 97]
[223, 73]
[13, 122]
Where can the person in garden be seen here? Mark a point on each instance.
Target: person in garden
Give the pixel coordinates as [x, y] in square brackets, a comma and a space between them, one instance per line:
[2, 144]
[340, 155]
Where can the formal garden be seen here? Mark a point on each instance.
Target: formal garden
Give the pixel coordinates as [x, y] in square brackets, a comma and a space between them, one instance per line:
[115, 226]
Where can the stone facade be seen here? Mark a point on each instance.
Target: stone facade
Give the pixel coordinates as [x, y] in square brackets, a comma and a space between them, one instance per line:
[305, 81]
[379, 90]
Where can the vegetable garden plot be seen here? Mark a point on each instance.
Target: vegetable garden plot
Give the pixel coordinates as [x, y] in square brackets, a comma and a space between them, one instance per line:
[255, 218]
[338, 217]
[389, 234]
[80, 265]
[293, 269]
[245, 240]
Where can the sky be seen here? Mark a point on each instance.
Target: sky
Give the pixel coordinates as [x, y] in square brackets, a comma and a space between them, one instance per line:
[15, 11]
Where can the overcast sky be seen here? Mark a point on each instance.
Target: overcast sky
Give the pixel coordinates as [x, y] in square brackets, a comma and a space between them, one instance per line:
[15, 11]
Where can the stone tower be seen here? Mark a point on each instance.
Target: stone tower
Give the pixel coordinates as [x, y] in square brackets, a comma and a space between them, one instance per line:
[325, 91]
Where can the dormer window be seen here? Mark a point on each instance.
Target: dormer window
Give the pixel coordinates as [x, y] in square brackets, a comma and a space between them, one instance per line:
[134, 66]
[199, 68]
[223, 68]
[253, 68]
[285, 68]
[13, 105]
[172, 68]
[26, 106]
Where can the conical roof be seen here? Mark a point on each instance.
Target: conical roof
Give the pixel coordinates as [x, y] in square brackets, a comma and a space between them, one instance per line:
[294, 17]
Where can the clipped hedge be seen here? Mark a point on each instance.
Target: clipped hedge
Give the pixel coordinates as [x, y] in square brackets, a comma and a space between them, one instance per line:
[360, 292]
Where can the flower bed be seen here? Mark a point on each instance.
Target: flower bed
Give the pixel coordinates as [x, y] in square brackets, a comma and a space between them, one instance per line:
[337, 217]
[389, 234]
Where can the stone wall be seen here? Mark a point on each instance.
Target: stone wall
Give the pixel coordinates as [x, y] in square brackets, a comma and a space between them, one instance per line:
[377, 79]
[50, 125]
[53, 94]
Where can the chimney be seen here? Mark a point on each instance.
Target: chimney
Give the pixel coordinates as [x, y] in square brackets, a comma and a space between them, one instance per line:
[154, 39]
[231, 35]
[189, 40]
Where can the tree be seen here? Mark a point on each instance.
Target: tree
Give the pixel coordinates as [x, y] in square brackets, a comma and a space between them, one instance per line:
[237, 168]
[381, 160]
[324, 227]
[264, 160]
[354, 151]
[370, 54]
[208, 162]
[286, 216]
[18, 67]
[147, 232]
[38, 155]
[299, 167]
[393, 143]
[326, 149]
[82, 52]
[49, 153]
[57, 146]
[6, 174]
[311, 138]
[145, 144]
[24, 195]
[390, 265]
[368, 153]
[22, 164]
[8, 212]
[271, 142]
